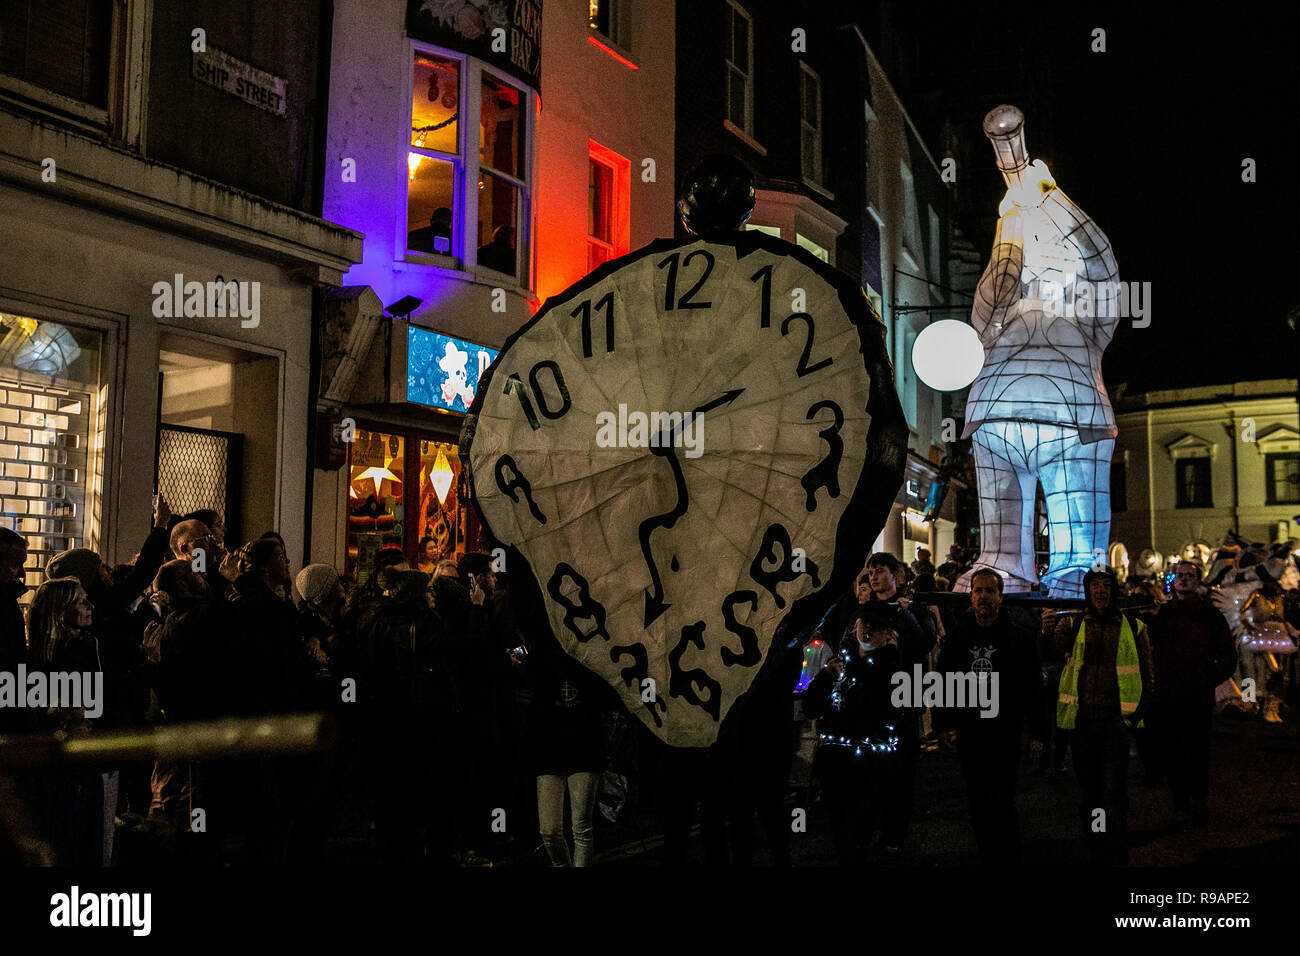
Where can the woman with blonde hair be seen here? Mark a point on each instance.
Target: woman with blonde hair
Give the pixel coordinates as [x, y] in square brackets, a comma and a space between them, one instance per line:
[59, 640]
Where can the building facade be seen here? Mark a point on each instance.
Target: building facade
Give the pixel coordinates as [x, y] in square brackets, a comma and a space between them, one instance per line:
[478, 198]
[1192, 464]
[798, 95]
[164, 259]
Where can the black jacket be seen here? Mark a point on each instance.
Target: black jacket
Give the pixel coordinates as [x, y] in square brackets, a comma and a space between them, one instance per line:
[279, 670]
[13, 651]
[198, 675]
[1012, 654]
[860, 707]
[1193, 652]
[564, 729]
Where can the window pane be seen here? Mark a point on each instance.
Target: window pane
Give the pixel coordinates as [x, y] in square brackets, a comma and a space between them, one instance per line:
[600, 182]
[1283, 479]
[736, 98]
[809, 100]
[376, 467]
[498, 205]
[429, 204]
[596, 254]
[439, 504]
[435, 103]
[61, 45]
[598, 15]
[501, 128]
[50, 421]
[819, 251]
[739, 41]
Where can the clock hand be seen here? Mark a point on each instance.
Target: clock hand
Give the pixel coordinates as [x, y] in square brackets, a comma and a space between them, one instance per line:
[654, 602]
[726, 398]
[654, 597]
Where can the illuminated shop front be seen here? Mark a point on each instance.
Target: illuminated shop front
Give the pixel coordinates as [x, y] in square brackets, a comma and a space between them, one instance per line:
[53, 409]
[404, 486]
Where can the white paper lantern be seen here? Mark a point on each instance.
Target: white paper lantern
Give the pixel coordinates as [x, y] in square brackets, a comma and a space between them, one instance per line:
[947, 355]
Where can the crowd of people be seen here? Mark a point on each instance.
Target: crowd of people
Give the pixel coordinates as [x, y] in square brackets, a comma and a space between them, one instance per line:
[1078, 685]
[445, 740]
[460, 741]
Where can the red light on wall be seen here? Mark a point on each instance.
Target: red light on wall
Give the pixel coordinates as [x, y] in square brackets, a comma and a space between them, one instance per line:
[622, 59]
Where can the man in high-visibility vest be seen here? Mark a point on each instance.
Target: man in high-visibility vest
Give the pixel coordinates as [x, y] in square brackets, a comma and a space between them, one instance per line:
[1105, 684]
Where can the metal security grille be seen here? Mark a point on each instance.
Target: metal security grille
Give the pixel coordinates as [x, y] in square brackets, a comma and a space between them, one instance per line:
[200, 468]
[44, 436]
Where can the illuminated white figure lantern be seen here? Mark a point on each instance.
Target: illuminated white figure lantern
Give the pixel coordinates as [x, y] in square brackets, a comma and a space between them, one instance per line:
[1038, 412]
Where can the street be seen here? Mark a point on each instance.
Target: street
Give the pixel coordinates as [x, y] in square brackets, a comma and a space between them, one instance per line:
[1254, 814]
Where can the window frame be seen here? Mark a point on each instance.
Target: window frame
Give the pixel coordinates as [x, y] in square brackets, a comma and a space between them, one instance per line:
[1271, 459]
[125, 113]
[463, 257]
[619, 36]
[816, 177]
[620, 187]
[735, 9]
[1193, 461]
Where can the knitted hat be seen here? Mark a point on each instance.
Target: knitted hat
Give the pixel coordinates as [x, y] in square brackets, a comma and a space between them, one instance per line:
[315, 581]
[80, 563]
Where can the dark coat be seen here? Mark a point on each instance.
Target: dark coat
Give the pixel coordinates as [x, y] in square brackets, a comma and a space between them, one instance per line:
[198, 676]
[276, 664]
[1193, 651]
[863, 707]
[564, 729]
[1012, 654]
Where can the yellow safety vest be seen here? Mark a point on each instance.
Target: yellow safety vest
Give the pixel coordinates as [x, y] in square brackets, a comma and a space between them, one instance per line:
[1127, 669]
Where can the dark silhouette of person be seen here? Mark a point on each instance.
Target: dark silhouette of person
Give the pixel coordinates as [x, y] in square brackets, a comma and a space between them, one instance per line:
[499, 254]
[436, 236]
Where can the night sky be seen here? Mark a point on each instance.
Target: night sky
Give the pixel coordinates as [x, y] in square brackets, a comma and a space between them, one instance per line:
[1148, 138]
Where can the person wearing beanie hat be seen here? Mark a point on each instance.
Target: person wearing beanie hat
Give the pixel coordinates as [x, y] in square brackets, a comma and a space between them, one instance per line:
[80, 563]
[316, 582]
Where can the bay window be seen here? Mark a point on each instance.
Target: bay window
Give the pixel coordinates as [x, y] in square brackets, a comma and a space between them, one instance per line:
[466, 206]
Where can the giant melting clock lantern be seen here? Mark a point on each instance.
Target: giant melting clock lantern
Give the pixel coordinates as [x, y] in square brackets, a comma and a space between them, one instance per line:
[1038, 412]
[689, 453]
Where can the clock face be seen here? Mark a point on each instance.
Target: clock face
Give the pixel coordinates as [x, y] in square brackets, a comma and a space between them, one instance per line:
[686, 447]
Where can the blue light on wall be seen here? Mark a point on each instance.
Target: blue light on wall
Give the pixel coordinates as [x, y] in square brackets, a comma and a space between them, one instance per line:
[443, 371]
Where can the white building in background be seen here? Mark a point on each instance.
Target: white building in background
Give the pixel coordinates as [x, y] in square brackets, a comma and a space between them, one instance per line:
[1192, 464]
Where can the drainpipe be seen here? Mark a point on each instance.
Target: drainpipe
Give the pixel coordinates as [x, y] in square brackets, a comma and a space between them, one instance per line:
[1231, 426]
[1151, 483]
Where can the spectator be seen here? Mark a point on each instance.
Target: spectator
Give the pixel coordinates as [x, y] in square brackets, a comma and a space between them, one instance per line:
[427, 555]
[1105, 689]
[72, 802]
[857, 758]
[914, 646]
[989, 743]
[1193, 652]
[13, 637]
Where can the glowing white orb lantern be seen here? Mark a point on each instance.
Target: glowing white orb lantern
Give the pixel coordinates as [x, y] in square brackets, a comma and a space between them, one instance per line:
[947, 355]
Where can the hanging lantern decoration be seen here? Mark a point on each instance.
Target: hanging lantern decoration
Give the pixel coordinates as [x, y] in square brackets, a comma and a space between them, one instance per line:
[441, 476]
